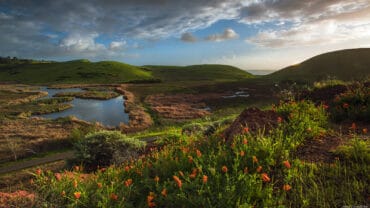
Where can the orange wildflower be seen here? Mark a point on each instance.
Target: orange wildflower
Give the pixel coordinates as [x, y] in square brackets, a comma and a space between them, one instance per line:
[38, 171]
[156, 179]
[178, 181]
[287, 164]
[245, 170]
[77, 195]
[128, 182]
[246, 130]
[287, 187]
[259, 169]
[265, 177]
[100, 185]
[353, 126]
[245, 141]
[224, 169]
[164, 192]
[75, 183]
[113, 196]
[150, 199]
[255, 160]
[199, 154]
[364, 130]
[190, 159]
[242, 153]
[194, 173]
[279, 119]
[325, 106]
[58, 176]
[63, 193]
[345, 105]
[205, 179]
[127, 168]
[76, 168]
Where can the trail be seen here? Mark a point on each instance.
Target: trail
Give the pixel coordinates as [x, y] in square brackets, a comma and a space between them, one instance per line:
[37, 161]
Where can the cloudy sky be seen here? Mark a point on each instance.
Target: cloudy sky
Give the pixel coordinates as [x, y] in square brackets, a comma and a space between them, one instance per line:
[250, 34]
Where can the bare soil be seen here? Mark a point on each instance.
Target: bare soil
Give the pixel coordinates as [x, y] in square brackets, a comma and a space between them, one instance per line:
[181, 106]
[254, 119]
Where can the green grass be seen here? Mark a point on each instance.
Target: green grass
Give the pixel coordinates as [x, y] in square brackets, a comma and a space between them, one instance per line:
[78, 71]
[344, 65]
[207, 72]
[254, 170]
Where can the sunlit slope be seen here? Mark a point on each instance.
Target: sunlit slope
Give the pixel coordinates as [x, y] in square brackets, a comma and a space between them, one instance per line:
[344, 65]
[78, 71]
[207, 72]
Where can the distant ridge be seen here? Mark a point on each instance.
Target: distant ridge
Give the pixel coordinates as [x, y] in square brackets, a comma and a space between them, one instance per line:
[349, 64]
[212, 72]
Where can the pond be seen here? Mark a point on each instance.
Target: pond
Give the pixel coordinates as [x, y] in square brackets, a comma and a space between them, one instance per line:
[108, 112]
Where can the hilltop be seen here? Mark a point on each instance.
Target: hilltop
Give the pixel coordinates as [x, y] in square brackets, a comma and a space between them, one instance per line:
[77, 71]
[351, 64]
[206, 72]
[84, 71]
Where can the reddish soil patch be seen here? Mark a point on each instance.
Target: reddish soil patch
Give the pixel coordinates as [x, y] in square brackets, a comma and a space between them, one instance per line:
[139, 119]
[25, 137]
[254, 119]
[319, 149]
[181, 106]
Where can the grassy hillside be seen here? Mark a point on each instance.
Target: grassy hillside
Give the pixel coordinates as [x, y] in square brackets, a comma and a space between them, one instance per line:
[344, 65]
[199, 73]
[78, 71]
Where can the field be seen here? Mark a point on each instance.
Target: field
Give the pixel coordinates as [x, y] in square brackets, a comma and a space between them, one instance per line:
[227, 139]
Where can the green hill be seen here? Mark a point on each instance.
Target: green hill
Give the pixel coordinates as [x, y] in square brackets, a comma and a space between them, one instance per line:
[77, 71]
[206, 72]
[351, 64]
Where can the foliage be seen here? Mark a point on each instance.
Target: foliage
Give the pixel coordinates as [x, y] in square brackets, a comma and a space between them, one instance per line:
[104, 148]
[352, 105]
[305, 120]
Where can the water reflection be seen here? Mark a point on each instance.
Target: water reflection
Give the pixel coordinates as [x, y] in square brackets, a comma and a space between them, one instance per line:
[108, 112]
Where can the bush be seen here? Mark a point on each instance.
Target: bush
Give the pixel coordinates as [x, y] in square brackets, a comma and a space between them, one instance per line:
[104, 148]
[353, 105]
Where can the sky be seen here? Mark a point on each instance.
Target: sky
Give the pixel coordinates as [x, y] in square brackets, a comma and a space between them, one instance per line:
[249, 34]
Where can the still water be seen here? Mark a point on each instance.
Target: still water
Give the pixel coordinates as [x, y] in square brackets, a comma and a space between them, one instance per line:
[108, 112]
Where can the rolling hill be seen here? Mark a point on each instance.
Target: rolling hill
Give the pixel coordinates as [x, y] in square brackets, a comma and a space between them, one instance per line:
[351, 64]
[77, 71]
[206, 72]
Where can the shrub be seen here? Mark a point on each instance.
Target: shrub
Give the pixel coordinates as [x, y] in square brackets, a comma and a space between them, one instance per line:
[104, 148]
[352, 105]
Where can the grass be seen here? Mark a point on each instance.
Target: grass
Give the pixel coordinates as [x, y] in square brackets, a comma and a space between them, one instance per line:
[78, 71]
[99, 95]
[253, 170]
[344, 65]
[207, 72]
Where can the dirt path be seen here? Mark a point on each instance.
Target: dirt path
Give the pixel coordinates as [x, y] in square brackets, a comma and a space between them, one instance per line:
[37, 161]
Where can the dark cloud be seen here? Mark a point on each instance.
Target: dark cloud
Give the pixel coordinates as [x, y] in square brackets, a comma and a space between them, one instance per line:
[226, 35]
[47, 28]
[188, 37]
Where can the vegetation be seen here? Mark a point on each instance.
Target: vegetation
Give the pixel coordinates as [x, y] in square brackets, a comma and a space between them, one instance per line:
[98, 95]
[207, 72]
[105, 148]
[78, 71]
[253, 170]
[352, 64]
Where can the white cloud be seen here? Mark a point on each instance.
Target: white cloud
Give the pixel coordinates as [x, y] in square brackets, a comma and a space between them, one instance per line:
[226, 35]
[117, 45]
[312, 22]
